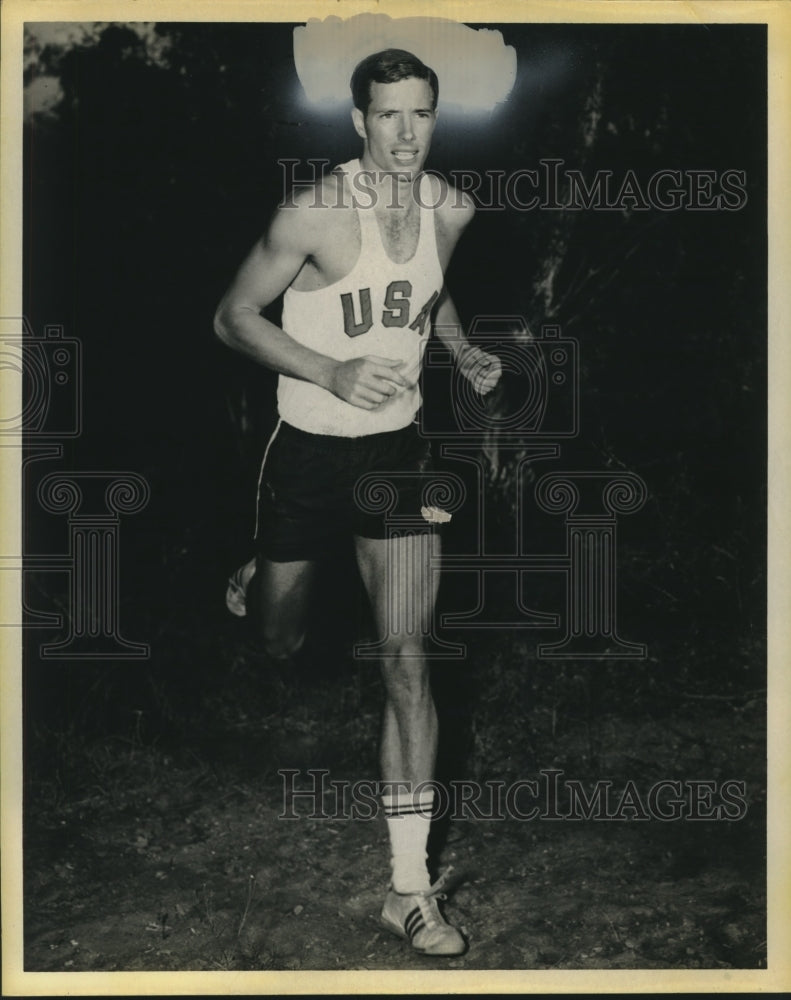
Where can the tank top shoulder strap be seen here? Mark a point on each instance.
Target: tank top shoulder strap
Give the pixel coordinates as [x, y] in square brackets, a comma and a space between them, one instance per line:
[427, 242]
[370, 242]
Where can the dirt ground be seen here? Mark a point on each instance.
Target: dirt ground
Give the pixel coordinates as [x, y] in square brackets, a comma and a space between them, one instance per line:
[160, 861]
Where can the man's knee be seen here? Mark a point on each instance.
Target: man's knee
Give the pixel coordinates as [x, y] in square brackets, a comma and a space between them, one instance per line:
[405, 670]
[407, 648]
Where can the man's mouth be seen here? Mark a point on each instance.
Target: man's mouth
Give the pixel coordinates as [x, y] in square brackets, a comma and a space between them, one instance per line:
[405, 155]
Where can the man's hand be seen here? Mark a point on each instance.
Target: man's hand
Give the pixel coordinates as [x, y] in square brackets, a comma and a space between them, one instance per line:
[481, 369]
[366, 382]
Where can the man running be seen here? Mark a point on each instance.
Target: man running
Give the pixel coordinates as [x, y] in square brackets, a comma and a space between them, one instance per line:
[359, 260]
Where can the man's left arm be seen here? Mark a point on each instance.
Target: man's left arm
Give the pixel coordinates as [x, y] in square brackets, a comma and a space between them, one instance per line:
[455, 212]
[481, 369]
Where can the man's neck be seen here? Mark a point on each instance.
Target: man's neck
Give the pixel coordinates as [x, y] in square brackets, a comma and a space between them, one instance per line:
[394, 191]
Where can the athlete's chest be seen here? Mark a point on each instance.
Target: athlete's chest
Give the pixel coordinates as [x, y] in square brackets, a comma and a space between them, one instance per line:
[396, 234]
[375, 272]
[399, 232]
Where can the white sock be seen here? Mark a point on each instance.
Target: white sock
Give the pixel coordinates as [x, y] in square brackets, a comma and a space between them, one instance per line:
[408, 822]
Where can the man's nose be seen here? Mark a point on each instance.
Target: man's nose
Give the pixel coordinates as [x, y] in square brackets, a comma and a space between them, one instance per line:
[407, 130]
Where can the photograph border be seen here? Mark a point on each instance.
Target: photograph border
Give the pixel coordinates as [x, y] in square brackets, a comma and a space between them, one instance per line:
[776, 14]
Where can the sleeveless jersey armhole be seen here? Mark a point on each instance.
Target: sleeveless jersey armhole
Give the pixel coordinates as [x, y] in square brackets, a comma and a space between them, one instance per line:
[427, 241]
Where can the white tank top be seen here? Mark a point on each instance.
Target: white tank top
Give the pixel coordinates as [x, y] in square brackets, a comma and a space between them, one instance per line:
[379, 308]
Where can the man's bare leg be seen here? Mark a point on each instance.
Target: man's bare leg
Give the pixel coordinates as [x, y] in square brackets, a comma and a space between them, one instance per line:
[281, 593]
[403, 589]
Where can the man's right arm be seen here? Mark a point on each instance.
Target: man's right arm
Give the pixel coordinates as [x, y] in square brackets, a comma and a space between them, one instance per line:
[268, 270]
[270, 267]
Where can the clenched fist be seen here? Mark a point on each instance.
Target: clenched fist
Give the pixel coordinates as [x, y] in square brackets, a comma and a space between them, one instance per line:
[367, 382]
[481, 369]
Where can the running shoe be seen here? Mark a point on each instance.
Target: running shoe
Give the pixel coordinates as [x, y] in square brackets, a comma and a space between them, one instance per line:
[236, 594]
[416, 918]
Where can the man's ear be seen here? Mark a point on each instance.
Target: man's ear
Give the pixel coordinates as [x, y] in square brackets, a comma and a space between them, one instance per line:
[358, 118]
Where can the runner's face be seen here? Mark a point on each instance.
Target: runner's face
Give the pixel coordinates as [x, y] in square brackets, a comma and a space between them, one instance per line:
[398, 126]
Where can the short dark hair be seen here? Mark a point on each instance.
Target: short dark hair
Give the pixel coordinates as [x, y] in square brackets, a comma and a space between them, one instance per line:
[389, 66]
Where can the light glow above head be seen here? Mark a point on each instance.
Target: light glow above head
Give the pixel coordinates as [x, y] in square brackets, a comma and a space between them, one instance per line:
[475, 68]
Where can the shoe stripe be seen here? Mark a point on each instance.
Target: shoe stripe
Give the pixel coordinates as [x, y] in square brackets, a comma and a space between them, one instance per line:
[415, 929]
[414, 921]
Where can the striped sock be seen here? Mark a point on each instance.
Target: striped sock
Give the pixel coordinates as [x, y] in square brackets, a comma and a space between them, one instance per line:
[408, 817]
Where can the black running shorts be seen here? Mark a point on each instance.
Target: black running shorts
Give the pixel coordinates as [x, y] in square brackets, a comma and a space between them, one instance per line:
[307, 498]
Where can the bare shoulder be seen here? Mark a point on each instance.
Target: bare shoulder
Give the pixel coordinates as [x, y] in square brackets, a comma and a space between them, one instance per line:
[455, 208]
[305, 218]
[325, 193]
